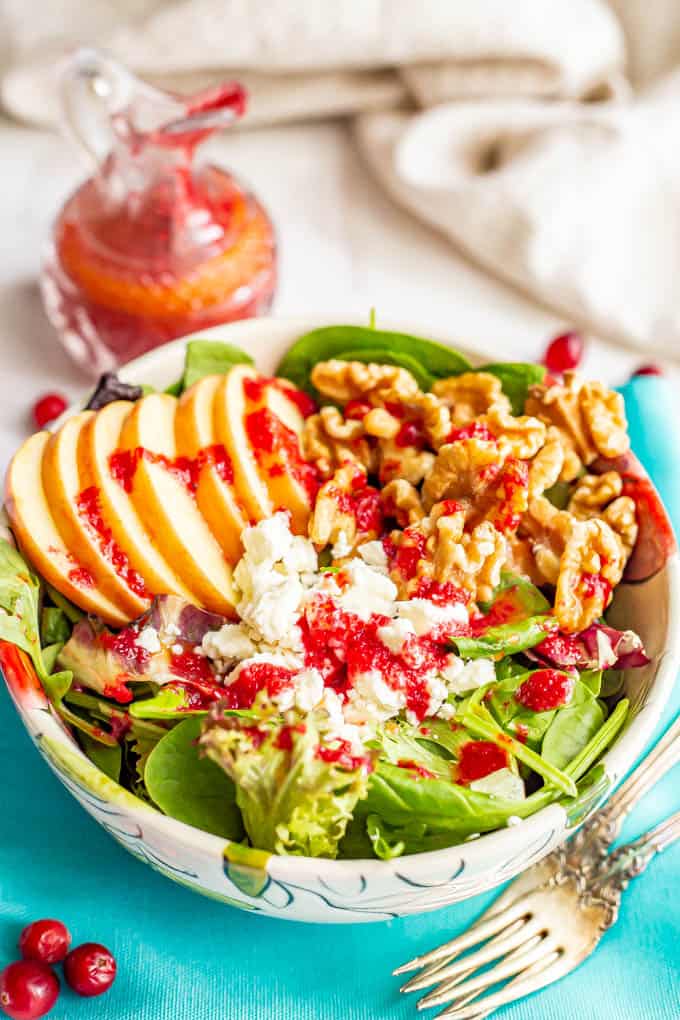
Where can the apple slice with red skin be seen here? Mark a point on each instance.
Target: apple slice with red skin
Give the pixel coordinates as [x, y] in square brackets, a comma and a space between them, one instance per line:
[656, 540]
[229, 411]
[41, 541]
[99, 439]
[274, 425]
[162, 488]
[78, 515]
[215, 492]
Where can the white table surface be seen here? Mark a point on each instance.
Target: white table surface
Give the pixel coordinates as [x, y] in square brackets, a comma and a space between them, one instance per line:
[344, 247]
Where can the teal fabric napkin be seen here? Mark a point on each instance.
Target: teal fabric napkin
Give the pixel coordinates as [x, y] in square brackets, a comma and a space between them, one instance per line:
[182, 957]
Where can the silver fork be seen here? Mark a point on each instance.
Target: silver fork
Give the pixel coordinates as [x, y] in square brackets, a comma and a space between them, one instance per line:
[553, 916]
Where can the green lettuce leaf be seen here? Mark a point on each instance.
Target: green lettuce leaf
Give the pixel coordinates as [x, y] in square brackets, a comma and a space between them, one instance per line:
[19, 604]
[292, 801]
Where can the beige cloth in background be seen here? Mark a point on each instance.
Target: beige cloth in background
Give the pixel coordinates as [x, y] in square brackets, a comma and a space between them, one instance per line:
[305, 58]
[576, 202]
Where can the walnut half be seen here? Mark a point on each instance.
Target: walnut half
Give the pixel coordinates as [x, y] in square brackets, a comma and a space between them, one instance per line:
[590, 567]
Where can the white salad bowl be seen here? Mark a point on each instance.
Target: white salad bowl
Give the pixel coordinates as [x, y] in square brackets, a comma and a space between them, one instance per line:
[310, 889]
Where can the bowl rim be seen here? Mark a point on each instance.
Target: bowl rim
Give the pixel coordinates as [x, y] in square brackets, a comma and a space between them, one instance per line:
[496, 844]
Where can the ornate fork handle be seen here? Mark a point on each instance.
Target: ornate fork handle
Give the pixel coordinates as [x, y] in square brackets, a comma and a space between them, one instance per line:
[627, 862]
[585, 853]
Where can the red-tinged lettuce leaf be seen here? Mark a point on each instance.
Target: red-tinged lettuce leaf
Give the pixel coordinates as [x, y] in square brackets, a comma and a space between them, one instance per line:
[109, 662]
[597, 647]
[170, 614]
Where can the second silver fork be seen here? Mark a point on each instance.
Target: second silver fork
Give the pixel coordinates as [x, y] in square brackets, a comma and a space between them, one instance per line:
[514, 932]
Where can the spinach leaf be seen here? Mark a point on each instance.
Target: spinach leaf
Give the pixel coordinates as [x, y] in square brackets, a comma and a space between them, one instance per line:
[612, 683]
[210, 357]
[507, 668]
[516, 378]
[482, 724]
[191, 788]
[505, 639]
[382, 357]
[600, 741]
[515, 598]
[445, 812]
[55, 626]
[398, 742]
[49, 656]
[572, 728]
[331, 341]
[108, 759]
[559, 494]
[70, 611]
[592, 678]
[512, 715]
[516, 618]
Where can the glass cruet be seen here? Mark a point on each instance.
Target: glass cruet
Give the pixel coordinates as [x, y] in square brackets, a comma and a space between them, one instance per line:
[153, 245]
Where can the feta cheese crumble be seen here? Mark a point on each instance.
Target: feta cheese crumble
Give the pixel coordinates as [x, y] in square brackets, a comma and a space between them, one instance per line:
[367, 592]
[373, 554]
[395, 634]
[278, 582]
[149, 640]
[425, 616]
[269, 580]
[228, 644]
[342, 548]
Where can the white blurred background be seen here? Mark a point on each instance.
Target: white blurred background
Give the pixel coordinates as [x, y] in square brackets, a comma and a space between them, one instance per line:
[490, 171]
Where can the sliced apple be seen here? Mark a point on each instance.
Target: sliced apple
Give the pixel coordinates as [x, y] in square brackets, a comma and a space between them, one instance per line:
[273, 425]
[77, 512]
[161, 488]
[215, 492]
[229, 416]
[98, 440]
[40, 539]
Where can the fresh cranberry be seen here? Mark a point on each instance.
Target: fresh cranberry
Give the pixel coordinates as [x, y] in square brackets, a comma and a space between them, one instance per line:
[48, 941]
[47, 408]
[564, 353]
[545, 689]
[479, 758]
[28, 989]
[90, 969]
[648, 370]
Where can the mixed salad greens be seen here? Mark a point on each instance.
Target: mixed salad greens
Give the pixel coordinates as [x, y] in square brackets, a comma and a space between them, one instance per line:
[551, 707]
